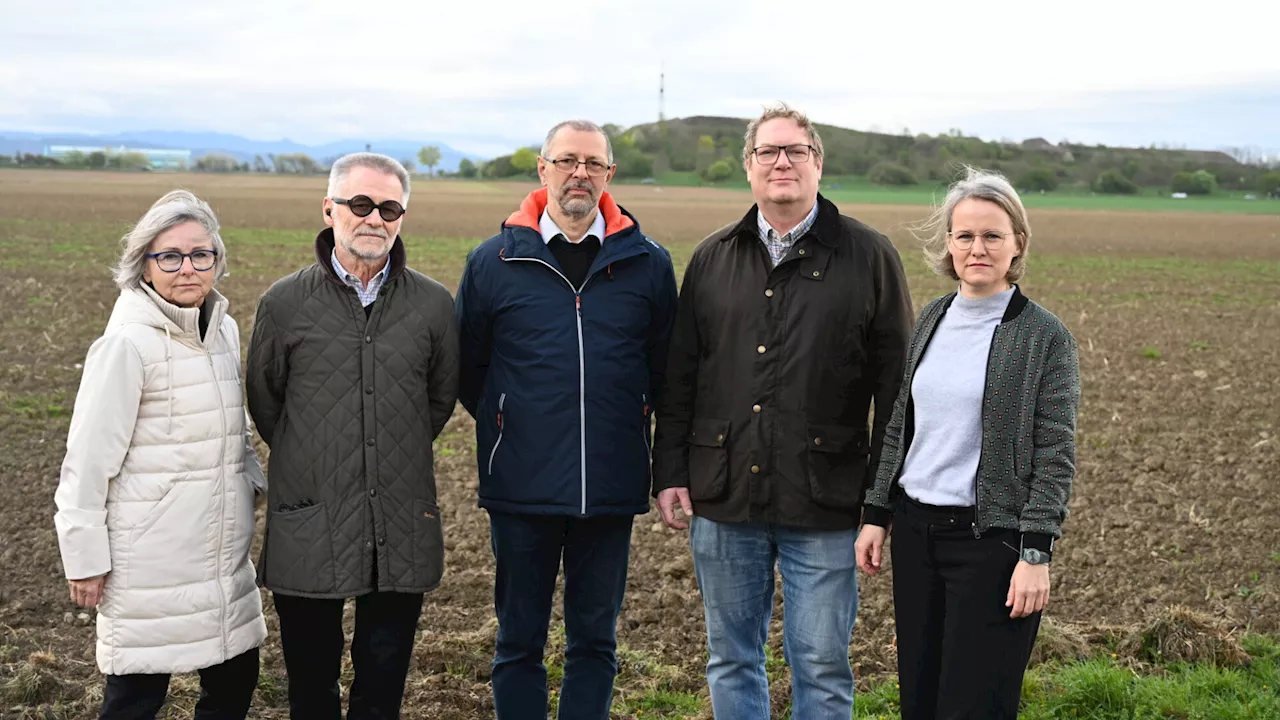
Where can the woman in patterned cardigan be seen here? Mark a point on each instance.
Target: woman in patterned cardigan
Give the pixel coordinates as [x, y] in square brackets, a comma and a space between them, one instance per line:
[977, 465]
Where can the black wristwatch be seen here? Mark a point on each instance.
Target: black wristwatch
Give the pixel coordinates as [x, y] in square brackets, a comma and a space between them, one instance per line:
[1032, 556]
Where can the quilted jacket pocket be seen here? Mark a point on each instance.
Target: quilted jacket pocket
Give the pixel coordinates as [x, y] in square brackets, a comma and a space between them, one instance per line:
[708, 458]
[428, 544]
[298, 551]
[838, 459]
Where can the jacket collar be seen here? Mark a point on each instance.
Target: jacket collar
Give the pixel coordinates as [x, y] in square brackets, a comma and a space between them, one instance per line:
[145, 306]
[325, 242]
[826, 228]
[1017, 303]
[530, 213]
[522, 236]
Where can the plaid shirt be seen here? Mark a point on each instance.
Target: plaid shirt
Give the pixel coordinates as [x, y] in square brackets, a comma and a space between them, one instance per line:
[778, 247]
[367, 294]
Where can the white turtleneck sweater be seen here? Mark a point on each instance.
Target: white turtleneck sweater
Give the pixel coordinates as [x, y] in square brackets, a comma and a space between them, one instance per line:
[942, 462]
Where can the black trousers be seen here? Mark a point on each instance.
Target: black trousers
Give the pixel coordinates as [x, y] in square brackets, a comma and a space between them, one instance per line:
[225, 692]
[960, 655]
[312, 639]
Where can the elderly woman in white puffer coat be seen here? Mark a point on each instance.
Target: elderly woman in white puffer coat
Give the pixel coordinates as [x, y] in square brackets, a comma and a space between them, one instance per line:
[155, 502]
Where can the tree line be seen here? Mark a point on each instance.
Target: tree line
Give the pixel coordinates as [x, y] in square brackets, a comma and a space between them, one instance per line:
[710, 149]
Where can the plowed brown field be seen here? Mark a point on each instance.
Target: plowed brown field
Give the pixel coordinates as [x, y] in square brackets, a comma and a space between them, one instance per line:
[1177, 496]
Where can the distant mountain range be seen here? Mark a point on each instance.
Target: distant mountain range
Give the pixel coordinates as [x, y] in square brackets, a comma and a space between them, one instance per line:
[239, 147]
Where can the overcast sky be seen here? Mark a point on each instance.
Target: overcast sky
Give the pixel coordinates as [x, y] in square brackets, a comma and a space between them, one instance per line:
[487, 75]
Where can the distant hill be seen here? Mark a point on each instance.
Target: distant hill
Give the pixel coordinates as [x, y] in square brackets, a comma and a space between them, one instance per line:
[241, 148]
[934, 158]
[695, 144]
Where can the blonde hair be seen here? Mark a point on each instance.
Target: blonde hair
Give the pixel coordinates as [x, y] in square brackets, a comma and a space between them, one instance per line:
[173, 209]
[774, 112]
[976, 184]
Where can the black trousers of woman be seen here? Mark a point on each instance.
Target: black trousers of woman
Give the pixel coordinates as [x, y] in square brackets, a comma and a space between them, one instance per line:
[960, 655]
[225, 692]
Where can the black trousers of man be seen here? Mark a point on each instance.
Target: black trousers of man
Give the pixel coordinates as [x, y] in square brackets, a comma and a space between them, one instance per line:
[960, 655]
[226, 690]
[312, 639]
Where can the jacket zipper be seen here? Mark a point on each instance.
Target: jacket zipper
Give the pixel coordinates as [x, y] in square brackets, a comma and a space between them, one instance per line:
[977, 476]
[502, 398]
[222, 502]
[644, 432]
[582, 371]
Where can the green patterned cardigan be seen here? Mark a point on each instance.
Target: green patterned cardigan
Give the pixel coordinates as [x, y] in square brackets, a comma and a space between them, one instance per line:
[1029, 408]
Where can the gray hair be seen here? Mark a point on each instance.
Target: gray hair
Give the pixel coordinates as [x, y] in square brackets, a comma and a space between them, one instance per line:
[343, 166]
[774, 112]
[173, 209]
[581, 126]
[976, 184]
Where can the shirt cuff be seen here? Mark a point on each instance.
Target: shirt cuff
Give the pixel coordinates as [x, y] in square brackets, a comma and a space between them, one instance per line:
[873, 515]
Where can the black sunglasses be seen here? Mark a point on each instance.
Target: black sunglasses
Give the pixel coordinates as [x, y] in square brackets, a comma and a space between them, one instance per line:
[362, 205]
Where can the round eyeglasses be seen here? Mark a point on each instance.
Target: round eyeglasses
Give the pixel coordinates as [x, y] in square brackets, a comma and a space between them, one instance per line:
[170, 261]
[963, 240]
[569, 166]
[362, 205]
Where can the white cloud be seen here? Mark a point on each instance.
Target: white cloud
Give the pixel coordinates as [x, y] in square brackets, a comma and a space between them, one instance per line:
[503, 71]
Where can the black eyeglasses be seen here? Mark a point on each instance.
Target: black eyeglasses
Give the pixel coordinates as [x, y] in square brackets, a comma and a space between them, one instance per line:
[569, 166]
[769, 154]
[170, 261]
[362, 205]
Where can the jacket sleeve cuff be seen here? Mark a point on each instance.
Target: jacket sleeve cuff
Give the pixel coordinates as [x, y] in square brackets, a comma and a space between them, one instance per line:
[86, 552]
[872, 515]
[1039, 541]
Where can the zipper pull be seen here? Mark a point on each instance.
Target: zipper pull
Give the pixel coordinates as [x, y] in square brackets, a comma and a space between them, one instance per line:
[499, 420]
[578, 302]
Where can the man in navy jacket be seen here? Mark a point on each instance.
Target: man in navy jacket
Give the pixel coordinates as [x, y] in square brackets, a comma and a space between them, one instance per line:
[564, 320]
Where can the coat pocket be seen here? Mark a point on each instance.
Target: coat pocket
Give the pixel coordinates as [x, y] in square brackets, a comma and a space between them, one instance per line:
[298, 552]
[428, 544]
[838, 459]
[708, 458]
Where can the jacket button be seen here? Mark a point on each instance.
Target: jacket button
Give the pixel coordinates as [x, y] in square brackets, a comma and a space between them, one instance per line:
[755, 408]
[817, 441]
[760, 349]
[382, 541]
[816, 273]
[768, 293]
[755, 469]
[368, 390]
[373, 492]
[801, 251]
[720, 438]
[368, 338]
[369, 442]
[368, 544]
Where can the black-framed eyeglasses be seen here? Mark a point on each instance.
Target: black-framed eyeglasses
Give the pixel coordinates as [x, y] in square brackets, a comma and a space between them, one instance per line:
[991, 239]
[769, 154]
[171, 261]
[569, 166]
[362, 205]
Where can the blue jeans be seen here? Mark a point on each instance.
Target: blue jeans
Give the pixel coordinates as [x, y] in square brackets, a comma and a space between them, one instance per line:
[528, 549]
[734, 563]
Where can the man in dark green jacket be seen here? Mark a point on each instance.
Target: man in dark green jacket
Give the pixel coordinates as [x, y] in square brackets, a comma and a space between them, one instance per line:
[790, 323]
[352, 374]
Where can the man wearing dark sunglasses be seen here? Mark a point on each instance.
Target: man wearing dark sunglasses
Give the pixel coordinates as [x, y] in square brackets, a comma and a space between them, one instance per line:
[352, 375]
[792, 320]
[564, 318]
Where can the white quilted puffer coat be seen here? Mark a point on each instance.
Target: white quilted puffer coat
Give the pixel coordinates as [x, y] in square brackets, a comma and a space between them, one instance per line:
[158, 487]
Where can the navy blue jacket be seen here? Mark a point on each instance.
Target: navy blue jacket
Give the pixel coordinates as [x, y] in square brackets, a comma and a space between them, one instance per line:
[562, 381]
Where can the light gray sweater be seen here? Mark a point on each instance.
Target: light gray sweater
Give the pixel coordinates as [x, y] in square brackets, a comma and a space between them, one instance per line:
[942, 463]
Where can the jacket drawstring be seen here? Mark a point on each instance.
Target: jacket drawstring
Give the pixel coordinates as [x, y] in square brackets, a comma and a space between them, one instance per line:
[168, 374]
